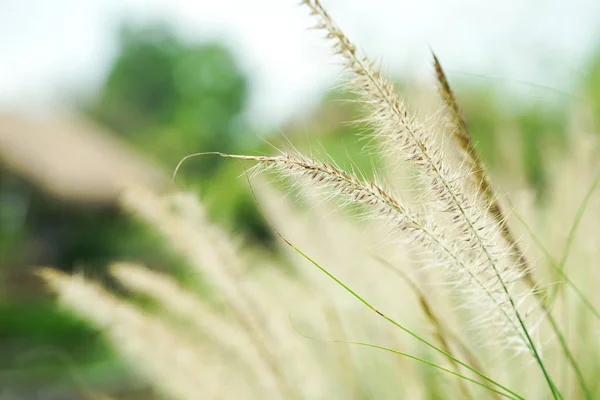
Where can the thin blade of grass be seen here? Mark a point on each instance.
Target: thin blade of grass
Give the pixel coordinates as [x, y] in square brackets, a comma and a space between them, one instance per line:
[560, 269]
[554, 264]
[370, 306]
[427, 307]
[352, 292]
[366, 303]
[463, 137]
[563, 261]
[391, 320]
[415, 358]
[573, 231]
[433, 365]
[440, 331]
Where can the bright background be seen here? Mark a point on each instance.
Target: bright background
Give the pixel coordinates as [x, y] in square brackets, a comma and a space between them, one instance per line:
[53, 48]
[96, 94]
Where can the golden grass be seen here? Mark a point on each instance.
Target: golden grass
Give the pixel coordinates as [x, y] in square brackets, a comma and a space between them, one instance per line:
[448, 270]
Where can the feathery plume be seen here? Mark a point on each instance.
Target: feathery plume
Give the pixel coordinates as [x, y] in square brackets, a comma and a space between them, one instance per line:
[477, 287]
[461, 133]
[404, 135]
[178, 366]
[201, 315]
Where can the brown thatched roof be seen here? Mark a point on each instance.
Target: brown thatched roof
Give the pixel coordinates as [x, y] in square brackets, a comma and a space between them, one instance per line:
[73, 159]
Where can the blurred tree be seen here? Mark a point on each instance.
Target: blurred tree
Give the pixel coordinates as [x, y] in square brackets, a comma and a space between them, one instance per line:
[541, 130]
[539, 126]
[591, 84]
[173, 98]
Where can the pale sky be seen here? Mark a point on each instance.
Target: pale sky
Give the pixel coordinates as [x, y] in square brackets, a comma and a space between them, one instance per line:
[50, 48]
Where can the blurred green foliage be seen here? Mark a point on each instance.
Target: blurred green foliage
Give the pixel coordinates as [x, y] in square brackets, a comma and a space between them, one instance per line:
[47, 350]
[591, 85]
[167, 98]
[537, 126]
[173, 98]
[170, 98]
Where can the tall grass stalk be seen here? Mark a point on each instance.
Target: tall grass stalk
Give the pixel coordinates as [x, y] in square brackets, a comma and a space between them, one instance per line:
[457, 227]
[442, 333]
[400, 131]
[463, 137]
[380, 203]
[475, 237]
[402, 327]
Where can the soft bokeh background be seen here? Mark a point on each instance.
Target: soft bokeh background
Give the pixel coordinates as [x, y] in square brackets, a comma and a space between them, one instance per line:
[95, 95]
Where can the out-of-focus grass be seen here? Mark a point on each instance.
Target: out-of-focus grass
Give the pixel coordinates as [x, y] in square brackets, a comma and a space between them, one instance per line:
[516, 141]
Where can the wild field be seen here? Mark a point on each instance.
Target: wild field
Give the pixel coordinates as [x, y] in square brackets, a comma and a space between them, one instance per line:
[414, 272]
